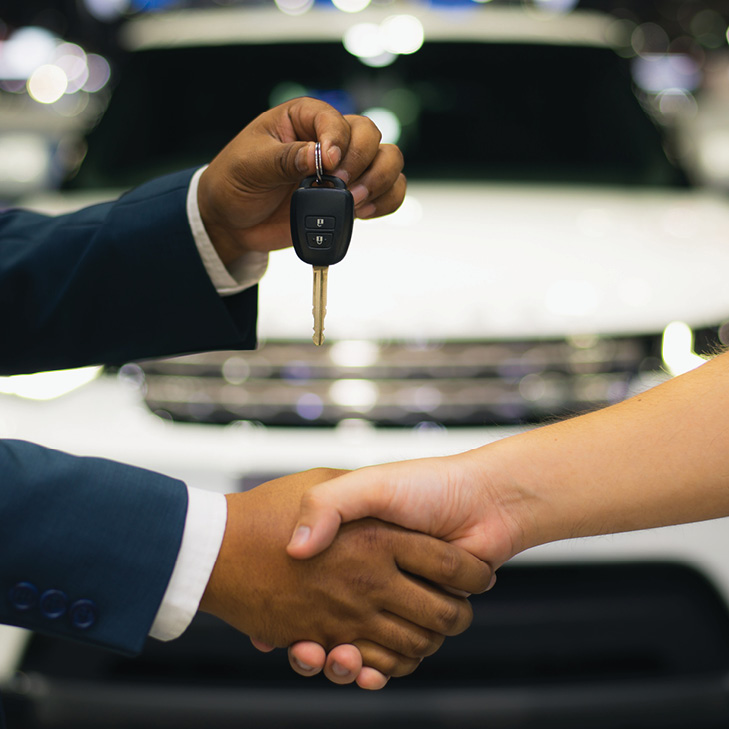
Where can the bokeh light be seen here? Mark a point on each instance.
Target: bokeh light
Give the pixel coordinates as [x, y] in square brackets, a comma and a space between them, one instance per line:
[379, 45]
[363, 40]
[359, 395]
[23, 158]
[350, 6]
[71, 59]
[656, 73]
[677, 349]
[709, 28]
[107, 10]
[649, 39]
[309, 406]
[402, 34]
[404, 102]
[387, 122]
[26, 50]
[354, 353]
[47, 84]
[99, 73]
[294, 7]
[285, 91]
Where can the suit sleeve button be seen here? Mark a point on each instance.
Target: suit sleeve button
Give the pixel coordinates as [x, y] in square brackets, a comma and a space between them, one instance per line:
[24, 596]
[83, 614]
[53, 604]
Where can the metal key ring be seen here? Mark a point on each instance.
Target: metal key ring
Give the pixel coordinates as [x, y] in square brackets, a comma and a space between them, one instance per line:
[317, 162]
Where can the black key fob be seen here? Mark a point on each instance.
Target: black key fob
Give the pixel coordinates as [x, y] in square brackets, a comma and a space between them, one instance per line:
[322, 218]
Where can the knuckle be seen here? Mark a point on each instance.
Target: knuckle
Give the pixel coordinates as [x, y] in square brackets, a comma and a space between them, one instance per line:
[364, 583]
[483, 580]
[431, 644]
[370, 532]
[421, 645]
[455, 617]
[403, 667]
[450, 564]
[374, 128]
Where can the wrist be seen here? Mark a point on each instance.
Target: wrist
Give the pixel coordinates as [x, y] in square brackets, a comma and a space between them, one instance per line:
[220, 584]
[226, 244]
[523, 488]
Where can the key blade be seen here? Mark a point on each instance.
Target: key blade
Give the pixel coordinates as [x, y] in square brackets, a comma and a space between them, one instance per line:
[321, 274]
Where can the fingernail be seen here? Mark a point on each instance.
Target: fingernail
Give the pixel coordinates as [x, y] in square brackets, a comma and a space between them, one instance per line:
[342, 175]
[359, 193]
[302, 158]
[335, 155]
[300, 536]
[366, 210]
[492, 583]
[339, 670]
[303, 666]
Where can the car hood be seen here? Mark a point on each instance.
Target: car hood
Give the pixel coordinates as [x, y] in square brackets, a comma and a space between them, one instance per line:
[510, 261]
[473, 261]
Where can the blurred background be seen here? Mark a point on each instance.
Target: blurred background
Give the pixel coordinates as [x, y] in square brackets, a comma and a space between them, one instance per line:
[59, 63]
[563, 245]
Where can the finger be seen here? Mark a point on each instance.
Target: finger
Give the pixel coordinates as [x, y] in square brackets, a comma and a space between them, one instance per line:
[343, 664]
[363, 148]
[325, 506]
[400, 635]
[371, 679]
[385, 204]
[441, 563]
[315, 120]
[427, 607]
[307, 658]
[384, 661]
[380, 176]
[261, 646]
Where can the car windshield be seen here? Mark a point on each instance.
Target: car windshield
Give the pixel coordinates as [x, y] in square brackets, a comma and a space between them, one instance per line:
[458, 110]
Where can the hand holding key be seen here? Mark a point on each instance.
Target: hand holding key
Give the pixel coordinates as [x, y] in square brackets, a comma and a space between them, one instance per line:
[322, 217]
[245, 193]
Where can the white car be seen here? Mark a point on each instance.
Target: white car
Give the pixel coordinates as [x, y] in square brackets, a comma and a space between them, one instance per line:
[549, 258]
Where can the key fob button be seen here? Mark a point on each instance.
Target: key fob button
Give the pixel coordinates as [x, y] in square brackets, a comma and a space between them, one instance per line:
[319, 241]
[317, 222]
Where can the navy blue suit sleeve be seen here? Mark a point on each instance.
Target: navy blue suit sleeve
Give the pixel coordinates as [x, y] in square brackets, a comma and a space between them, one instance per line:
[112, 282]
[88, 545]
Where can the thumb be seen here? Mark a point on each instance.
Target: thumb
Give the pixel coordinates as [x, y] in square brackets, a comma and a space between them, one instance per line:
[293, 161]
[317, 526]
[324, 507]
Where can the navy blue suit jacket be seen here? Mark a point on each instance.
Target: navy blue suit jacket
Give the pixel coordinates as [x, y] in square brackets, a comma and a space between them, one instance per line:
[87, 546]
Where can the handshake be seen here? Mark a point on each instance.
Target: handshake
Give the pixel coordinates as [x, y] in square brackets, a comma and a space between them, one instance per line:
[378, 600]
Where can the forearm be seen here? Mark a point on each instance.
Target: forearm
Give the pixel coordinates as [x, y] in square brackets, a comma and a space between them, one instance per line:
[103, 285]
[93, 530]
[658, 458]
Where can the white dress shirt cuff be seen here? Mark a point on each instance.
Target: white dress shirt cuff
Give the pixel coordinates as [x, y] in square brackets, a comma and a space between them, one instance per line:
[245, 272]
[207, 514]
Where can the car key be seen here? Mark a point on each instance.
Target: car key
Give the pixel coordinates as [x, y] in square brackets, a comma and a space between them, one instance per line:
[322, 218]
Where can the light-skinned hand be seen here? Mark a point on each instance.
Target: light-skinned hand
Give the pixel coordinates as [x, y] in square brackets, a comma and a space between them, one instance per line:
[373, 588]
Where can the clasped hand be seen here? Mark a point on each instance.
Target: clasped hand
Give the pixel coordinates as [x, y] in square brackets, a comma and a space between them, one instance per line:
[378, 587]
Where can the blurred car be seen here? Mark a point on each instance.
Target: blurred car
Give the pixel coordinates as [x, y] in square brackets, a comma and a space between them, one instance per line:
[549, 258]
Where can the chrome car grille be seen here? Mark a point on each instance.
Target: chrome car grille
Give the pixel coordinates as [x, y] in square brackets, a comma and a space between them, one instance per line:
[407, 384]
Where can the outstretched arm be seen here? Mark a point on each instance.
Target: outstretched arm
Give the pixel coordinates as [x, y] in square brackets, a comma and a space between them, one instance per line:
[657, 459]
